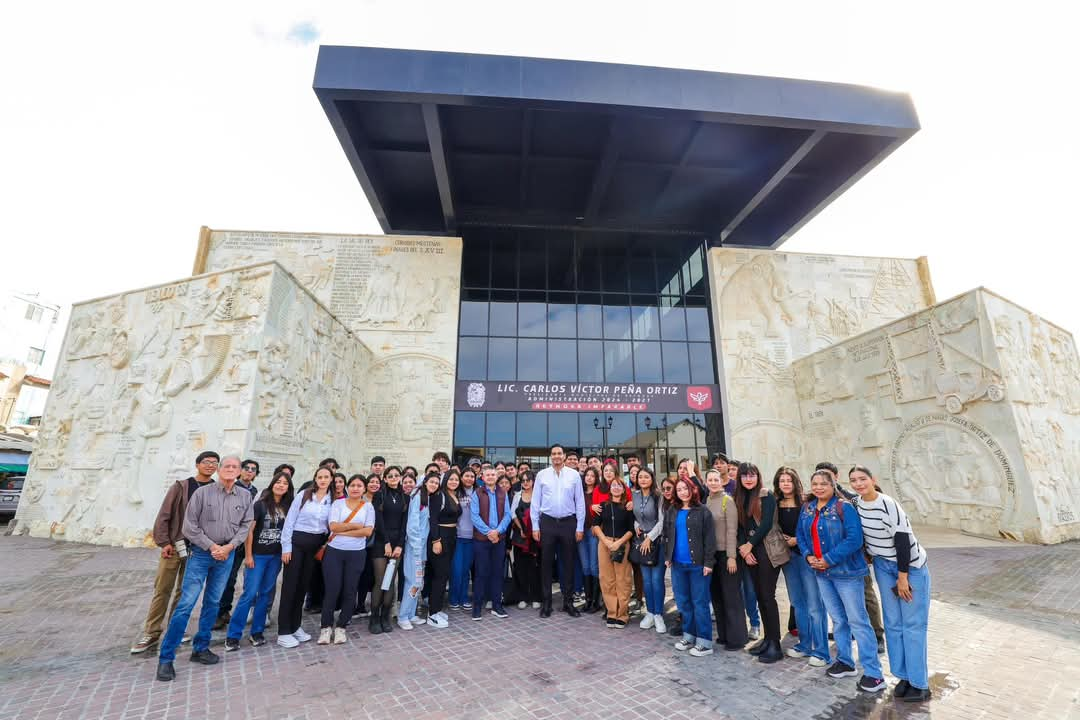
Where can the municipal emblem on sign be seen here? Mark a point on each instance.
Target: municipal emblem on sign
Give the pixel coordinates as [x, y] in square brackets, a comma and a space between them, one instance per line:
[699, 398]
[476, 395]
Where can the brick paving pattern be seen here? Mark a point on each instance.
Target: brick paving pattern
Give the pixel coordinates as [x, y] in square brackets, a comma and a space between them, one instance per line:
[1004, 643]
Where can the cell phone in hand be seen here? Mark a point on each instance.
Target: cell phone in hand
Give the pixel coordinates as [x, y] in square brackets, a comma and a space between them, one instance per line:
[897, 592]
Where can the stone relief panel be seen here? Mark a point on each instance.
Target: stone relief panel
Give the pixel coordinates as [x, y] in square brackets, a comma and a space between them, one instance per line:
[772, 308]
[928, 404]
[150, 378]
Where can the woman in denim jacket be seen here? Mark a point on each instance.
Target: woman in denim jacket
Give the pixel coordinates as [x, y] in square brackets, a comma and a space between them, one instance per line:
[416, 535]
[830, 540]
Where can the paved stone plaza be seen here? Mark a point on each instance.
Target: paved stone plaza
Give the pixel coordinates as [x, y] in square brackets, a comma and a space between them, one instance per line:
[1004, 643]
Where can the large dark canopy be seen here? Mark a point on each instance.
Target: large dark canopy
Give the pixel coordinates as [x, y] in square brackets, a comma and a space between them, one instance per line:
[444, 140]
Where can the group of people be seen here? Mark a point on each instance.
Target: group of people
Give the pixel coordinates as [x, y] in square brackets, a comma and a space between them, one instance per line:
[485, 535]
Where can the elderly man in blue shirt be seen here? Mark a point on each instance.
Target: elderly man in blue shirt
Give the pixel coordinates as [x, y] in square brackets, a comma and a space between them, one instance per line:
[490, 511]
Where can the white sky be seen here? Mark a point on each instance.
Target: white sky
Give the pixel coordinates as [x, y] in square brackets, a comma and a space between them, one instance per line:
[124, 127]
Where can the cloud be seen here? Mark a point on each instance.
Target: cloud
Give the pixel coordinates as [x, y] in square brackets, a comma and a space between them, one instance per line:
[303, 33]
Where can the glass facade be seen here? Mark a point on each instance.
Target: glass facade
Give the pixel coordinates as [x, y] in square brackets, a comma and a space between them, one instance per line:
[550, 305]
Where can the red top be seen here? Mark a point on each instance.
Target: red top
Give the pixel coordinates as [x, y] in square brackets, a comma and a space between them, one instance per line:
[814, 534]
[597, 498]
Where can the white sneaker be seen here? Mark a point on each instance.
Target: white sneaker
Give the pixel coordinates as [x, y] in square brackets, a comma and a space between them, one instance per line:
[404, 625]
[466, 606]
[661, 628]
[793, 653]
[287, 641]
[522, 605]
[700, 651]
[417, 620]
[339, 636]
[487, 605]
[325, 635]
[755, 632]
[816, 662]
[683, 646]
[301, 635]
[436, 621]
[536, 606]
[443, 615]
[648, 621]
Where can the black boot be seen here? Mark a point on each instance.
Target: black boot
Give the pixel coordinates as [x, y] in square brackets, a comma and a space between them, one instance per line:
[758, 647]
[596, 597]
[590, 601]
[772, 652]
[387, 626]
[375, 622]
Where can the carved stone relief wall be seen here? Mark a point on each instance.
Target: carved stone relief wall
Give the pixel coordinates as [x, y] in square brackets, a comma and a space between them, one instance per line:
[242, 362]
[772, 308]
[951, 408]
[399, 295]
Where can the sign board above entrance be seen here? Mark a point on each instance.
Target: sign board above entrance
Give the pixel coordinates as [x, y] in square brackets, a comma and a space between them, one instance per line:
[586, 397]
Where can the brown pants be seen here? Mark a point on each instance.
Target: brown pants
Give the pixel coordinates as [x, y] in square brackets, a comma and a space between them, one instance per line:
[169, 581]
[616, 583]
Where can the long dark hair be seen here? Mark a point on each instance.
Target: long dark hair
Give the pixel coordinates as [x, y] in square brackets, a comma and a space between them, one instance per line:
[655, 489]
[695, 497]
[596, 474]
[267, 495]
[796, 485]
[310, 491]
[625, 494]
[748, 502]
[421, 488]
[445, 490]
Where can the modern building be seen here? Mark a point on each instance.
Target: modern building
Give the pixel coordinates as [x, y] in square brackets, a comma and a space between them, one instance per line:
[29, 341]
[586, 196]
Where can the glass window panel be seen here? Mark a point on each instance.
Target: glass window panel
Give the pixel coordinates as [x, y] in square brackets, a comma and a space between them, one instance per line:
[500, 428]
[504, 260]
[697, 323]
[614, 266]
[469, 428]
[668, 272]
[472, 358]
[590, 436]
[562, 316]
[504, 454]
[590, 360]
[476, 259]
[647, 366]
[697, 272]
[589, 321]
[618, 363]
[645, 322]
[701, 364]
[532, 360]
[503, 314]
[643, 275]
[622, 432]
[672, 319]
[532, 259]
[532, 429]
[616, 321]
[676, 363]
[563, 428]
[561, 262]
[474, 318]
[562, 360]
[532, 318]
[502, 364]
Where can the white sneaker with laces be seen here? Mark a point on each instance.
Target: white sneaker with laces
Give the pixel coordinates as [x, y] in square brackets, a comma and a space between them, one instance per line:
[697, 651]
[816, 662]
[793, 653]
[325, 635]
[536, 606]
[301, 635]
[287, 641]
[683, 645]
[417, 620]
[443, 615]
[436, 621]
[339, 636]
[404, 624]
[648, 621]
[661, 628]
[522, 605]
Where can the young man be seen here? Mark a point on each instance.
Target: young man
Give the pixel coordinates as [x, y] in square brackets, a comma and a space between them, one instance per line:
[217, 520]
[490, 511]
[378, 464]
[593, 461]
[168, 531]
[572, 460]
[249, 470]
[632, 461]
[443, 461]
[558, 514]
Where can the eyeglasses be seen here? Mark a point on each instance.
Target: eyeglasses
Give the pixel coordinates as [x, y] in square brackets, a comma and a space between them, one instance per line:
[249, 468]
[208, 461]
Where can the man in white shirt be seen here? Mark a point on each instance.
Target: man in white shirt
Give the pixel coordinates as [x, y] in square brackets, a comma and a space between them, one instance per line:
[558, 510]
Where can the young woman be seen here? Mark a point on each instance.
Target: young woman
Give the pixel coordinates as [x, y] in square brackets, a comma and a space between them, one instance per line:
[595, 496]
[444, 512]
[667, 492]
[756, 507]
[340, 481]
[614, 528]
[904, 578]
[689, 551]
[303, 533]
[372, 484]
[262, 558]
[391, 511]
[416, 546]
[724, 588]
[352, 521]
[463, 549]
[648, 524]
[688, 469]
[831, 543]
[526, 549]
[408, 484]
[810, 616]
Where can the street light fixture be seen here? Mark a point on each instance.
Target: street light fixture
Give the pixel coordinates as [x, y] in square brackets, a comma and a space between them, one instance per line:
[603, 429]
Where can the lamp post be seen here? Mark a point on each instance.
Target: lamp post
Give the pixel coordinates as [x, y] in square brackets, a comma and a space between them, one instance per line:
[603, 429]
[656, 447]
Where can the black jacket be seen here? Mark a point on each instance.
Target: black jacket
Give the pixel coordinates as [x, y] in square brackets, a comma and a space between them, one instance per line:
[391, 514]
[699, 533]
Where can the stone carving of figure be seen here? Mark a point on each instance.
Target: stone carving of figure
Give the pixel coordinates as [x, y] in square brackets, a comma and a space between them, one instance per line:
[273, 362]
[870, 435]
[913, 486]
[382, 299]
[180, 373]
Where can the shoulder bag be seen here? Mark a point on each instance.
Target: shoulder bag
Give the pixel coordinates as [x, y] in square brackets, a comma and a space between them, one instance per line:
[322, 550]
[646, 559]
[778, 551]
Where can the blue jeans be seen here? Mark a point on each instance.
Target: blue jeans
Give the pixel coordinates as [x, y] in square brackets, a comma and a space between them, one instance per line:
[490, 560]
[843, 598]
[691, 588]
[653, 579]
[810, 613]
[259, 583]
[749, 597]
[905, 622]
[201, 570]
[460, 569]
[586, 550]
[412, 568]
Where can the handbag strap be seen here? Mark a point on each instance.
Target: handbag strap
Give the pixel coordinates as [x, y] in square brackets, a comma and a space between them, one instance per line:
[348, 520]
